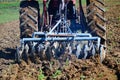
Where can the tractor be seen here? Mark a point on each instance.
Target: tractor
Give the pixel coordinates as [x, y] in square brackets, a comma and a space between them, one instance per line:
[72, 28]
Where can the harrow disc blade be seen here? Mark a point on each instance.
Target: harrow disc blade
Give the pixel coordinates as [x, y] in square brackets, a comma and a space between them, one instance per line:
[46, 50]
[78, 48]
[102, 53]
[17, 55]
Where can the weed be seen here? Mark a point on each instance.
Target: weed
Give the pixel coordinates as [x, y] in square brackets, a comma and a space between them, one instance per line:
[119, 18]
[41, 76]
[113, 43]
[51, 63]
[100, 75]
[117, 60]
[56, 74]
[82, 77]
[67, 62]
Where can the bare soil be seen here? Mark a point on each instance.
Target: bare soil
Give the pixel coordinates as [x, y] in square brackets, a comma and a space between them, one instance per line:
[74, 69]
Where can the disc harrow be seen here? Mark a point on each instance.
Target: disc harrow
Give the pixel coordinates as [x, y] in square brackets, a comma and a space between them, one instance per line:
[54, 43]
[61, 33]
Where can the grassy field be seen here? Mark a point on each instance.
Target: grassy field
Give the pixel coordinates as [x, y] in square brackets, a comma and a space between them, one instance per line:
[9, 11]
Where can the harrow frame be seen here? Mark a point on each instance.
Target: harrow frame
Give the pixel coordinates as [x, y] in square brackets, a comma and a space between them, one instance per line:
[53, 36]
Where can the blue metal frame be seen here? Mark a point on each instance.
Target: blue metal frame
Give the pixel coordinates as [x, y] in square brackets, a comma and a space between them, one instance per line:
[73, 37]
[74, 34]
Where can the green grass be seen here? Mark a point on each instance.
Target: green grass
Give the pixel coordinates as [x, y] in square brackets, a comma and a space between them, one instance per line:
[7, 15]
[9, 4]
[57, 73]
[9, 11]
[41, 76]
[83, 2]
[82, 77]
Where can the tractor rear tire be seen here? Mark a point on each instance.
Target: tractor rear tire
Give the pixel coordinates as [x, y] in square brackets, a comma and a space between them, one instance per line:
[29, 18]
[96, 19]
